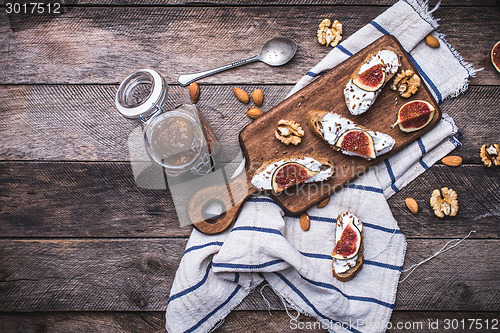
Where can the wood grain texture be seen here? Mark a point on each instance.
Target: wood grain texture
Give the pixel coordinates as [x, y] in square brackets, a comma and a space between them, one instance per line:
[235, 322]
[93, 43]
[47, 122]
[326, 94]
[42, 199]
[465, 3]
[136, 275]
[84, 200]
[105, 44]
[278, 321]
[478, 202]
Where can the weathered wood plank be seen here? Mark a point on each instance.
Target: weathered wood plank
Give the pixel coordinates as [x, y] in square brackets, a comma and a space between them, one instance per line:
[401, 321]
[95, 199]
[40, 199]
[478, 197]
[235, 322]
[481, 3]
[104, 44]
[80, 122]
[136, 275]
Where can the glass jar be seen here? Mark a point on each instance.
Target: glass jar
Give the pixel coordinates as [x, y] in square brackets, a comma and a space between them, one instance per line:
[177, 139]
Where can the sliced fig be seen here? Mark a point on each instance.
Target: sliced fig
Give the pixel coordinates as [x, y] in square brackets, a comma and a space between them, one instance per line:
[358, 142]
[372, 79]
[414, 116]
[290, 174]
[348, 244]
[495, 56]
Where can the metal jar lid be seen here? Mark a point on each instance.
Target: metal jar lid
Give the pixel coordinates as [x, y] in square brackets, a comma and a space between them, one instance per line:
[141, 94]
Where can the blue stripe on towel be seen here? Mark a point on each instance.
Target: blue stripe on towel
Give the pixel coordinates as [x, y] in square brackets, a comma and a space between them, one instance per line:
[391, 175]
[262, 200]
[378, 227]
[190, 289]
[198, 324]
[423, 150]
[245, 266]
[455, 141]
[366, 224]
[344, 50]
[320, 219]
[197, 247]
[316, 255]
[421, 145]
[383, 265]
[379, 28]
[304, 298]
[427, 79]
[365, 188]
[349, 297]
[258, 229]
[312, 74]
[367, 262]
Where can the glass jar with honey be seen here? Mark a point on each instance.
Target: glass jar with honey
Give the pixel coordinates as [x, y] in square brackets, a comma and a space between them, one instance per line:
[177, 139]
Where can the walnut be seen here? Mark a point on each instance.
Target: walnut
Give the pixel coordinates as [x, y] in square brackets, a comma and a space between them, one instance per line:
[329, 36]
[289, 131]
[490, 154]
[444, 202]
[406, 83]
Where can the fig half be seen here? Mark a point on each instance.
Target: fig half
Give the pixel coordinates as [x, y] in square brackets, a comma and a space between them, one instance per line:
[349, 242]
[495, 56]
[288, 175]
[414, 116]
[358, 142]
[372, 79]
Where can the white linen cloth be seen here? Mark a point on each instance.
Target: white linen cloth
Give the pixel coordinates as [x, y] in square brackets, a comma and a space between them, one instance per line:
[218, 271]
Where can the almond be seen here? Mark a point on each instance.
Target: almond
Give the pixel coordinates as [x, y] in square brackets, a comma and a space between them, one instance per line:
[194, 92]
[257, 97]
[254, 113]
[452, 161]
[305, 221]
[323, 202]
[241, 95]
[432, 41]
[412, 205]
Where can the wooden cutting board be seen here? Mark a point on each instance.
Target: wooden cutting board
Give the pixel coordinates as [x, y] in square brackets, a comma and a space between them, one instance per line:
[259, 144]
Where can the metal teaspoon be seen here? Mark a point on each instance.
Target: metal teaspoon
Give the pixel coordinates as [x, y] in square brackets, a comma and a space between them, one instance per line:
[275, 52]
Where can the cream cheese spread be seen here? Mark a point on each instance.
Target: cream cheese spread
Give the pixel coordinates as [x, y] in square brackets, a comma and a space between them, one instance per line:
[263, 180]
[334, 125]
[343, 265]
[358, 100]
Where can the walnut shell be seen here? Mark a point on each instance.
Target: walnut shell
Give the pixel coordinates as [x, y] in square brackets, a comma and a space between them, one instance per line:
[406, 83]
[288, 131]
[329, 36]
[490, 155]
[444, 202]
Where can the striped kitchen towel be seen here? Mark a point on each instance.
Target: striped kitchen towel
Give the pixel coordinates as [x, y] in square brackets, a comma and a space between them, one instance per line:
[218, 271]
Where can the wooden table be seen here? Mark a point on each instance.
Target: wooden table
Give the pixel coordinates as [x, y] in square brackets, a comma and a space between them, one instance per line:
[83, 249]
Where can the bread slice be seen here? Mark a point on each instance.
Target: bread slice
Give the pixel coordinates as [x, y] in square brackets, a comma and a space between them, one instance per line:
[337, 125]
[314, 119]
[326, 165]
[356, 73]
[349, 92]
[351, 272]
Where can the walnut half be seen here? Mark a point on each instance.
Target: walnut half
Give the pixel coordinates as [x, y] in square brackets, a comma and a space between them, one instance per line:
[490, 154]
[329, 36]
[406, 83]
[289, 131]
[444, 202]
